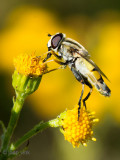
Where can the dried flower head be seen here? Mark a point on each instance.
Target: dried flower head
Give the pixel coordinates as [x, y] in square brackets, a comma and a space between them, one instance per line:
[75, 131]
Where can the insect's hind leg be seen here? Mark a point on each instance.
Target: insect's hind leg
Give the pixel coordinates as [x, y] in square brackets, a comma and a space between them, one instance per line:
[79, 77]
[79, 103]
[88, 95]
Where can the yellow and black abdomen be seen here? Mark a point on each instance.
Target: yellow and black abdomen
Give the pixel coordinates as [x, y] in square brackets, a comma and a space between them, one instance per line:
[92, 74]
[100, 84]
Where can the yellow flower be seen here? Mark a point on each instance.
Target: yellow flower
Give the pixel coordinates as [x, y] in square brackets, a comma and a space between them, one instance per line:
[75, 131]
[28, 73]
[30, 65]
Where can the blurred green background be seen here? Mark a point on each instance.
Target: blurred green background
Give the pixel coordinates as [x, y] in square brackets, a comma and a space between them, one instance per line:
[24, 25]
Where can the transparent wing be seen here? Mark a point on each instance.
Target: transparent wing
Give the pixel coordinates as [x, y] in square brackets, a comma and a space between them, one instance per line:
[76, 47]
[84, 53]
[96, 67]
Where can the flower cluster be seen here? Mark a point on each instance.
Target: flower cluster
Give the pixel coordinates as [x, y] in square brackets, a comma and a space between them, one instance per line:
[30, 65]
[28, 73]
[78, 131]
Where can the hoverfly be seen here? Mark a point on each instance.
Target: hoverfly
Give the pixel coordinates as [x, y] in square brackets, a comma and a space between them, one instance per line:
[73, 54]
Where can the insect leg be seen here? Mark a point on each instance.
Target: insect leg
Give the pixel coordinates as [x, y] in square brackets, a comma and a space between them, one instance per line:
[48, 56]
[57, 56]
[60, 62]
[88, 95]
[79, 103]
[79, 77]
[54, 69]
[64, 64]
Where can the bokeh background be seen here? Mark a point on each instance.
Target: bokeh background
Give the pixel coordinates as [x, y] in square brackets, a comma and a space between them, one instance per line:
[24, 25]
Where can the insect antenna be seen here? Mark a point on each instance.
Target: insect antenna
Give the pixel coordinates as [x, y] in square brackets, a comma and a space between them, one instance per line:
[49, 35]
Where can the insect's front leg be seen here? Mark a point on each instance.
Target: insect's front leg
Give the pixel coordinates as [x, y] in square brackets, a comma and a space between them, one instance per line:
[64, 64]
[57, 56]
[54, 69]
[48, 56]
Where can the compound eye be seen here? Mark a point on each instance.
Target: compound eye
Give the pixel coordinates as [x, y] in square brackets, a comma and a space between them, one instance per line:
[56, 40]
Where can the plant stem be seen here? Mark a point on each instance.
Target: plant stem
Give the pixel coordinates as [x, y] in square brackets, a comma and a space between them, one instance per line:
[3, 126]
[38, 128]
[18, 103]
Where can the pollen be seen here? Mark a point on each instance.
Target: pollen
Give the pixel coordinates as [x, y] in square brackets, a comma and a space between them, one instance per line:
[78, 131]
[30, 65]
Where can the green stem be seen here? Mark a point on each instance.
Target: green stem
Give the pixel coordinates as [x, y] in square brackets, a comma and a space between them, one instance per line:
[38, 128]
[18, 103]
[3, 126]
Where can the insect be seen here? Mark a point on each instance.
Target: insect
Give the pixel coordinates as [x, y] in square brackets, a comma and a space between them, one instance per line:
[70, 52]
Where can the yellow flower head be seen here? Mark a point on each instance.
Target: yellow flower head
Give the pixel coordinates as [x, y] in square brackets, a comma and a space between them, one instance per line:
[30, 65]
[75, 131]
[28, 73]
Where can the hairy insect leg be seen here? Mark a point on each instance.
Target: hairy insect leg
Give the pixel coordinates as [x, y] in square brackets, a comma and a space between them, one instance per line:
[79, 77]
[54, 69]
[48, 56]
[64, 64]
[57, 56]
[88, 95]
[79, 103]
